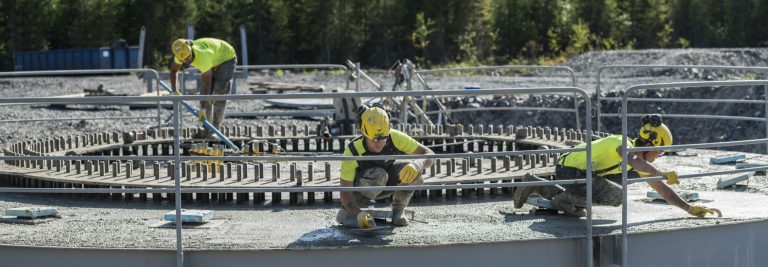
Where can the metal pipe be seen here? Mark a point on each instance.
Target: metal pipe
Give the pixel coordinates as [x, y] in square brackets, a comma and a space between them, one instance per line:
[243, 53]
[692, 116]
[177, 183]
[309, 158]
[302, 189]
[600, 70]
[503, 108]
[74, 119]
[683, 100]
[625, 150]
[293, 66]
[205, 122]
[696, 175]
[624, 234]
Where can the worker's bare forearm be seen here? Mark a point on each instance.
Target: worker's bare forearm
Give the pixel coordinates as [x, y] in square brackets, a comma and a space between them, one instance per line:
[642, 166]
[669, 195]
[346, 198]
[348, 204]
[174, 71]
[425, 163]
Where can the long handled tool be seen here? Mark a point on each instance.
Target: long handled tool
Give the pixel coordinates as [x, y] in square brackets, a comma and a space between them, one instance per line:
[205, 121]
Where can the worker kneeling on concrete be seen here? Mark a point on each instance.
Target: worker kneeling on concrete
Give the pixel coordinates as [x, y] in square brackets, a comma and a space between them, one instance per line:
[606, 186]
[378, 139]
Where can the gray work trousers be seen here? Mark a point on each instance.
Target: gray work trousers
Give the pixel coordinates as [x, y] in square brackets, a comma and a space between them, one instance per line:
[222, 79]
[400, 199]
[606, 190]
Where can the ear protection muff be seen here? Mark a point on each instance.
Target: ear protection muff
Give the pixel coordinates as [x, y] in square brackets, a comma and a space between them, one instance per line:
[648, 121]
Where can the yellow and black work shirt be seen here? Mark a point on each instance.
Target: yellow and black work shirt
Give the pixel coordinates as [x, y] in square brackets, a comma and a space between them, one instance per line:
[398, 143]
[604, 155]
[209, 53]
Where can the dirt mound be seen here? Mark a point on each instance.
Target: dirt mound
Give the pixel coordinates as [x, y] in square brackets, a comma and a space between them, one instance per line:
[589, 63]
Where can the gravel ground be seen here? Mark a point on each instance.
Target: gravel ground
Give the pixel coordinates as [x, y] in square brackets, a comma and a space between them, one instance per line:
[94, 223]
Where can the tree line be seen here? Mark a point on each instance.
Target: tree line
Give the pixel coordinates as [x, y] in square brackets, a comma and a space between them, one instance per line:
[378, 32]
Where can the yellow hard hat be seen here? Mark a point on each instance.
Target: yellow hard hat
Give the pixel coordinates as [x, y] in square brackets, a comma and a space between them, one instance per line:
[374, 123]
[182, 48]
[654, 131]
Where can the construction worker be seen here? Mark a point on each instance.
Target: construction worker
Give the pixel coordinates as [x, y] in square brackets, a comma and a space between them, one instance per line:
[216, 60]
[378, 139]
[606, 185]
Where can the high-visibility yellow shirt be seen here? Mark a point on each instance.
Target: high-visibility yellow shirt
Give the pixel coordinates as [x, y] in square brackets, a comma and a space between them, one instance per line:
[398, 143]
[604, 155]
[209, 53]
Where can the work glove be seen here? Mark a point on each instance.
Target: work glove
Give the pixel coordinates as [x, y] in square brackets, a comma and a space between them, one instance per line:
[702, 211]
[365, 220]
[409, 172]
[200, 116]
[671, 177]
[177, 92]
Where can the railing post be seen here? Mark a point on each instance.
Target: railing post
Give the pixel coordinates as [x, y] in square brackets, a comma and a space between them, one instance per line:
[177, 183]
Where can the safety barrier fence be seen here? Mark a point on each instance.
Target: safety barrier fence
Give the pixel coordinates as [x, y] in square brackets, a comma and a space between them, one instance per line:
[193, 73]
[442, 112]
[599, 98]
[177, 190]
[152, 73]
[626, 150]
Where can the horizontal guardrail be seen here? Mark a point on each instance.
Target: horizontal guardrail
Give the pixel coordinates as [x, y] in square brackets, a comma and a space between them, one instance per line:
[626, 150]
[177, 158]
[598, 89]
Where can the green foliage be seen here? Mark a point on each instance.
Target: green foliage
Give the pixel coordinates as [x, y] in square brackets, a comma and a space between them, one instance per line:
[420, 37]
[665, 36]
[376, 33]
[580, 36]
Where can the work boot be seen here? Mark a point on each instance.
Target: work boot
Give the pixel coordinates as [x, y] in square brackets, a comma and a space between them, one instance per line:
[398, 219]
[563, 202]
[522, 193]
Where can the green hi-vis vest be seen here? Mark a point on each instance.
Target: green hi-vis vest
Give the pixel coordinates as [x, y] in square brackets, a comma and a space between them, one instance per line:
[604, 155]
[209, 53]
[398, 143]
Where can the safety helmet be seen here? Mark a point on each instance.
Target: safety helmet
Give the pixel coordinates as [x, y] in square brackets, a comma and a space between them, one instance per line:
[374, 176]
[374, 123]
[655, 131]
[182, 48]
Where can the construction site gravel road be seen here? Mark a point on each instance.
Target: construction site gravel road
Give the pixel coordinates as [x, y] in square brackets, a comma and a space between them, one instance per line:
[116, 224]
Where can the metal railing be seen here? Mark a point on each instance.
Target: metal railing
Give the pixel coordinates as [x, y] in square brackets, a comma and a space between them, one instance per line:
[599, 99]
[289, 66]
[177, 158]
[571, 73]
[625, 150]
[154, 74]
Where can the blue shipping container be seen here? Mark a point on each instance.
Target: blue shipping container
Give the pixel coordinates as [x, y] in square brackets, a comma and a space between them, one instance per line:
[77, 59]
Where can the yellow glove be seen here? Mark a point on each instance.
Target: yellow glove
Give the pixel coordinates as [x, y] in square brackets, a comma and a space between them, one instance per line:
[671, 177]
[365, 220]
[702, 211]
[177, 92]
[200, 116]
[410, 172]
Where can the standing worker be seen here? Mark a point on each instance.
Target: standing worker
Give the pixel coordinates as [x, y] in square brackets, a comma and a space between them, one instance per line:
[606, 185]
[216, 60]
[378, 139]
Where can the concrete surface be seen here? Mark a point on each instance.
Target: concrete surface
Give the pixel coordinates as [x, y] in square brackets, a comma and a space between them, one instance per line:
[114, 224]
